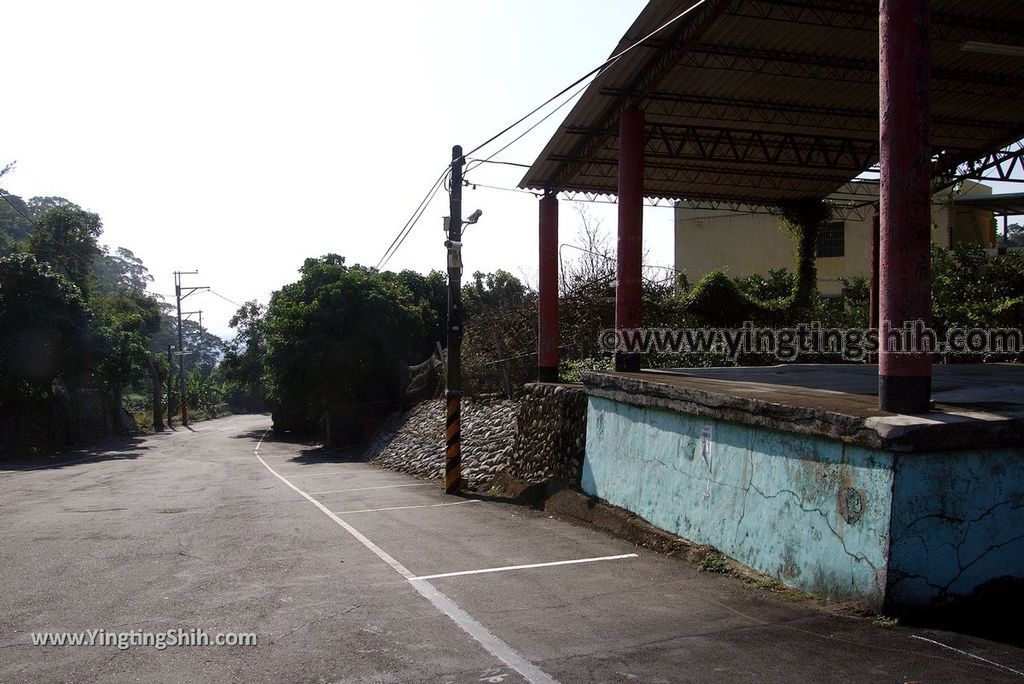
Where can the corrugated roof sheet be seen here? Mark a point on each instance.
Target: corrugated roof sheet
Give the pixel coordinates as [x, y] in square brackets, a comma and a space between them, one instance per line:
[1008, 204]
[761, 101]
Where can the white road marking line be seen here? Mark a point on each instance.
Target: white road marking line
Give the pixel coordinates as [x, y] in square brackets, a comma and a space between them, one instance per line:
[402, 508]
[968, 654]
[366, 489]
[525, 567]
[492, 644]
[495, 646]
[384, 556]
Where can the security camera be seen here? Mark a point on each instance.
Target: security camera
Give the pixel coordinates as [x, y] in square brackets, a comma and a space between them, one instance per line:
[475, 216]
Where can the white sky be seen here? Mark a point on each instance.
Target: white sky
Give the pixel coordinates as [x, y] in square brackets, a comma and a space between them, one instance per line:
[239, 138]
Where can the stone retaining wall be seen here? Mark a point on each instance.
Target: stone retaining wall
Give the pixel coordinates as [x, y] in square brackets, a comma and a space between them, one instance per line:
[413, 442]
[536, 438]
[551, 435]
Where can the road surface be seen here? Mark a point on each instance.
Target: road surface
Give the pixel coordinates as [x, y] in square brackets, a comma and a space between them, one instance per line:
[348, 573]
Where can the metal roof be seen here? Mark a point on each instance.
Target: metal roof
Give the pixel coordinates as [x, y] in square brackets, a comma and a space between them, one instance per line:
[762, 101]
[1010, 204]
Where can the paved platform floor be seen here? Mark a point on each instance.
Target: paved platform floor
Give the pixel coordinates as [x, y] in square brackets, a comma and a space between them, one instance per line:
[998, 387]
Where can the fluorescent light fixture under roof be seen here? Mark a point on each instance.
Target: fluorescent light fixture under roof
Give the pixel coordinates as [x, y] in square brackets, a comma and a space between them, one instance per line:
[993, 48]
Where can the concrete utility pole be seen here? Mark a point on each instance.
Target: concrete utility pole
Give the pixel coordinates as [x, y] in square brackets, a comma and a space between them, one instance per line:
[453, 452]
[179, 294]
[170, 385]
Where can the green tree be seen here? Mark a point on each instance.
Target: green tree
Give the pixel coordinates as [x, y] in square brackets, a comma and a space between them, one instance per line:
[338, 343]
[488, 291]
[1014, 237]
[120, 269]
[242, 366]
[38, 205]
[43, 319]
[431, 291]
[972, 289]
[123, 323]
[14, 226]
[205, 347]
[66, 238]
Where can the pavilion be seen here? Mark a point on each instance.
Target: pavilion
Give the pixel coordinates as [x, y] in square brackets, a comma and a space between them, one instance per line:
[778, 104]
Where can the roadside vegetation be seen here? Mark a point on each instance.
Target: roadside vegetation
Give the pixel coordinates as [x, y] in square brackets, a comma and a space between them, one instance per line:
[82, 340]
[83, 344]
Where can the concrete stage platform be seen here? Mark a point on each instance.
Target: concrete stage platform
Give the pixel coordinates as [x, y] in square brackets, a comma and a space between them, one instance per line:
[795, 472]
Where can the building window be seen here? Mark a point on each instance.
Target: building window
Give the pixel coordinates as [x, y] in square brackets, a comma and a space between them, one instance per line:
[831, 240]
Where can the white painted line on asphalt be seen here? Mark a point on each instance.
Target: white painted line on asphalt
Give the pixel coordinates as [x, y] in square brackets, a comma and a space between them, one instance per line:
[398, 567]
[495, 646]
[968, 654]
[492, 644]
[402, 508]
[366, 489]
[525, 567]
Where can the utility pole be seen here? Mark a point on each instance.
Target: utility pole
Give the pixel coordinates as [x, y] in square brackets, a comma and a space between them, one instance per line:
[179, 294]
[187, 316]
[170, 384]
[453, 452]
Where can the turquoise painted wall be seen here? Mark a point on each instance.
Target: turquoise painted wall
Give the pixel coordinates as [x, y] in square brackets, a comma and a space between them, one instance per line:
[812, 512]
[895, 530]
[958, 523]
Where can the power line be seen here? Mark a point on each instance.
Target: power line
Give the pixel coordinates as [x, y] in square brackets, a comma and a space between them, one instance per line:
[229, 301]
[585, 80]
[474, 186]
[528, 130]
[597, 70]
[504, 163]
[86, 261]
[407, 228]
[7, 196]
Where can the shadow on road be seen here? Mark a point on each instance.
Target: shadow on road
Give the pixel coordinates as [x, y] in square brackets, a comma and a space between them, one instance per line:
[992, 612]
[320, 454]
[110, 449]
[310, 451]
[256, 434]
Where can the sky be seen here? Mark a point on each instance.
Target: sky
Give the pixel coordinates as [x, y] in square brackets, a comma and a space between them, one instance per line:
[240, 138]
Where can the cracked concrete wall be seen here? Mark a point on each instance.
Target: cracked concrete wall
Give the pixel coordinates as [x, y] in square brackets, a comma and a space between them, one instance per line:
[957, 523]
[812, 512]
[899, 531]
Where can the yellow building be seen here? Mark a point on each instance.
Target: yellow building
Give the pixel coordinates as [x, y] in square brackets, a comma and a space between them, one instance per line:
[743, 244]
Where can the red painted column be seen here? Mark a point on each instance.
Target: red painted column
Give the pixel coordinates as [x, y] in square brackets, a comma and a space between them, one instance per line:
[904, 379]
[547, 309]
[873, 298]
[628, 276]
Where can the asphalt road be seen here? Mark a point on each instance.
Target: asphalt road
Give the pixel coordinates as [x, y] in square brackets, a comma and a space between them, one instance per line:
[322, 561]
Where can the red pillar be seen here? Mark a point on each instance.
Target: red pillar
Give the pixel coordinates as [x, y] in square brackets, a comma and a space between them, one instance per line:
[873, 300]
[547, 309]
[904, 382]
[628, 276]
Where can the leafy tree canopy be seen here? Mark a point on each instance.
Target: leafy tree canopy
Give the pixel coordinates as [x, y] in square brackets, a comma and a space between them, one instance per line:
[66, 238]
[1014, 237]
[242, 366]
[120, 269]
[42, 323]
[14, 226]
[338, 336]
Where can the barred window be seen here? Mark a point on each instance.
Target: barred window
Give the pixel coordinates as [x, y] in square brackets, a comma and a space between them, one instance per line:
[831, 240]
